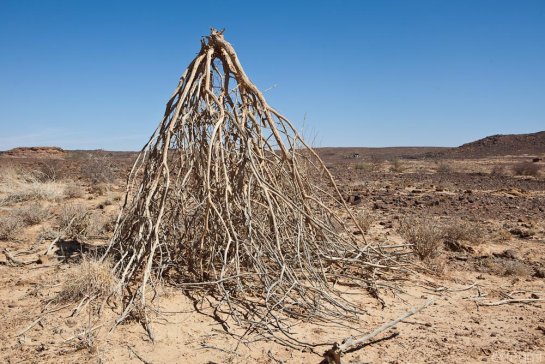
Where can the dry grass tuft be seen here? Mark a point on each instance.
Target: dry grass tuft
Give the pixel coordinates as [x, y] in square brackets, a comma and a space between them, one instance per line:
[92, 278]
[365, 220]
[10, 227]
[73, 190]
[459, 229]
[425, 236]
[397, 166]
[78, 222]
[19, 186]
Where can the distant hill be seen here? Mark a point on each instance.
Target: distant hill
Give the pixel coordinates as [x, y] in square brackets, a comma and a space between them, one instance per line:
[498, 145]
[35, 152]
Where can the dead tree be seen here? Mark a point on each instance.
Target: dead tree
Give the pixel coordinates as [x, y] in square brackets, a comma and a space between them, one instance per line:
[227, 201]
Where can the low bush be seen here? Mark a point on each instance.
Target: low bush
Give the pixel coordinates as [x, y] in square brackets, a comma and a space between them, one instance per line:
[77, 222]
[92, 278]
[396, 166]
[10, 227]
[31, 214]
[526, 169]
[425, 236]
[98, 170]
[459, 229]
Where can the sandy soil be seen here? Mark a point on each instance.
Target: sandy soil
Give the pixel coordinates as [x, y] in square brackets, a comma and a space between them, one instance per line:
[506, 262]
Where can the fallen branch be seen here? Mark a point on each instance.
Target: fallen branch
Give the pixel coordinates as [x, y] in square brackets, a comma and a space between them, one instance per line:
[40, 319]
[334, 354]
[14, 261]
[509, 301]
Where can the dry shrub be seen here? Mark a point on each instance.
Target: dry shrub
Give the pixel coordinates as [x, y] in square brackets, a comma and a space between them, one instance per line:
[526, 169]
[365, 220]
[77, 222]
[425, 236]
[365, 166]
[73, 190]
[10, 227]
[48, 172]
[20, 186]
[92, 278]
[444, 168]
[508, 267]
[397, 166]
[98, 170]
[31, 214]
[463, 230]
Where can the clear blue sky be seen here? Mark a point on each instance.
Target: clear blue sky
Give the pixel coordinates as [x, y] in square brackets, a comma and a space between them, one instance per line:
[96, 74]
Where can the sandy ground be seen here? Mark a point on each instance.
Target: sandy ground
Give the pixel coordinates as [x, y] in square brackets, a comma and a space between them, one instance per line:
[455, 328]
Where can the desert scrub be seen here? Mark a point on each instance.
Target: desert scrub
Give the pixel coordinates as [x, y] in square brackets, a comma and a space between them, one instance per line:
[365, 166]
[365, 220]
[31, 214]
[10, 227]
[459, 229]
[73, 190]
[425, 236]
[77, 222]
[91, 278]
[396, 166]
[19, 186]
[526, 169]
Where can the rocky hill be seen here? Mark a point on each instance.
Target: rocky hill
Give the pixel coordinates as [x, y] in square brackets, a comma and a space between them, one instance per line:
[35, 152]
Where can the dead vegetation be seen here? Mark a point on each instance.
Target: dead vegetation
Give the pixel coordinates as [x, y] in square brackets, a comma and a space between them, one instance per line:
[425, 237]
[91, 278]
[20, 186]
[227, 201]
[526, 169]
[78, 222]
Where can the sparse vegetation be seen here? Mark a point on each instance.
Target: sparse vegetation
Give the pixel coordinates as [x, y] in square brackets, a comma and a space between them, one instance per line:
[20, 186]
[92, 278]
[396, 166]
[425, 236]
[48, 172]
[98, 170]
[10, 227]
[77, 222]
[458, 229]
[31, 214]
[526, 169]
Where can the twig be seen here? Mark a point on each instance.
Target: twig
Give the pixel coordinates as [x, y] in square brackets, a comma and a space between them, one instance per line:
[138, 356]
[206, 346]
[40, 319]
[334, 354]
[512, 300]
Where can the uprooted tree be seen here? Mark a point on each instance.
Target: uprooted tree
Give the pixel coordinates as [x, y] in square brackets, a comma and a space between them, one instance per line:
[228, 202]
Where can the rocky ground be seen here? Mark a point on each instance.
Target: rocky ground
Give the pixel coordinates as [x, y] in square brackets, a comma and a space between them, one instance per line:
[478, 223]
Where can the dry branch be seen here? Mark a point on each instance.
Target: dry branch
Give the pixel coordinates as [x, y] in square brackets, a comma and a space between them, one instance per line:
[334, 354]
[510, 301]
